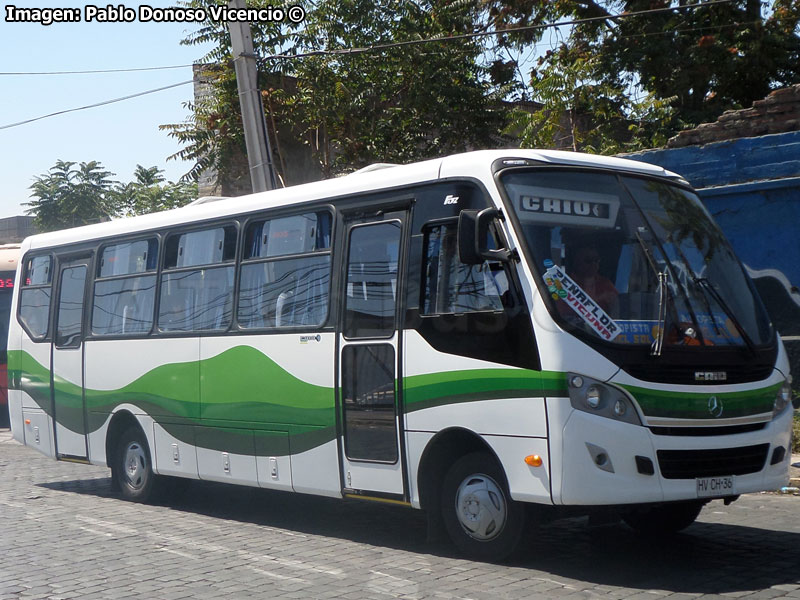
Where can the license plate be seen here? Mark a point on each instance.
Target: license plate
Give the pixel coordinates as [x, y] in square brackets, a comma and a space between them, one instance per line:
[715, 487]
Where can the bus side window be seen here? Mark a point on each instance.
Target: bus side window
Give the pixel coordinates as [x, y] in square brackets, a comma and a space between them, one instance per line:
[197, 282]
[125, 288]
[468, 310]
[450, 286]
[285, 277]
[34, 301]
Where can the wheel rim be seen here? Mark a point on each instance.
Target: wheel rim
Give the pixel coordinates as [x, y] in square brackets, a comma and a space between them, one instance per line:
[481, 507]
[135, 466]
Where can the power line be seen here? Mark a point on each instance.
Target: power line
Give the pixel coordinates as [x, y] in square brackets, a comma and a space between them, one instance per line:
[69, 110]
[397, 44]
[358, 50]
[92, 72]
[479, 34]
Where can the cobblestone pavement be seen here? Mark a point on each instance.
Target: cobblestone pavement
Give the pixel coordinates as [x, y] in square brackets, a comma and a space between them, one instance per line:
[67, 535]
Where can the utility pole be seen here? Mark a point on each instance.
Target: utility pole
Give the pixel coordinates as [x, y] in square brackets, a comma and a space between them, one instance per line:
[259, 153]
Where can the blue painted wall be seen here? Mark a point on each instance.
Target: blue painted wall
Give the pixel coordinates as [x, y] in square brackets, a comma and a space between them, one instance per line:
[752, 187]
[762, 221]
[764, 158]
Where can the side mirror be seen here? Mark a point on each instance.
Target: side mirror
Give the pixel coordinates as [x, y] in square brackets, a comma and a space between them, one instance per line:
[467, 226]
[473, 235]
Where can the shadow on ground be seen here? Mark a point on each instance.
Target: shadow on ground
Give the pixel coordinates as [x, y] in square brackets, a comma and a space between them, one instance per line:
[707, 558]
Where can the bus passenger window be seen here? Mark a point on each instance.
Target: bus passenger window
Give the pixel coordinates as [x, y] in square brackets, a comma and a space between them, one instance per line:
[34, 301]
[198, 298]
[284, 293]
[125, 290]
[285, 276]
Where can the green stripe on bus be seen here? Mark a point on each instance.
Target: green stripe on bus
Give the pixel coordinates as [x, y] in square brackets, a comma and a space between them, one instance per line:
[450, 387]
[695, 405]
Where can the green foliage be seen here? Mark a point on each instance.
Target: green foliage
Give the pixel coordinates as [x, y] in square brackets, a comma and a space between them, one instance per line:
[608, 85]
[70, 196]
[587, 113]
[150, 192]
[701, 61]
[397, 105]
[711, 59]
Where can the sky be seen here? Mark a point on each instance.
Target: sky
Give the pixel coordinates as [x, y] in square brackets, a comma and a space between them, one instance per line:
[119, 135]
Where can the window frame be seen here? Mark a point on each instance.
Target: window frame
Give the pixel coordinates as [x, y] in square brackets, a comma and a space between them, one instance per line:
[243, 262]
[46, 337]
[513, 291]
[74, 340]
[96, 278]
[234, 221]
[398, 299]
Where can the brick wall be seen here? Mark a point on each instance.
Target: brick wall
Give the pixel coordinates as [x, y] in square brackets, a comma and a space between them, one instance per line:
[777, 113]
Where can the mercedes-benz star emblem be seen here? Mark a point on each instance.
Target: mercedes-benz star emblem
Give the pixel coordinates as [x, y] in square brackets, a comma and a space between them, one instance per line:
[715, 407]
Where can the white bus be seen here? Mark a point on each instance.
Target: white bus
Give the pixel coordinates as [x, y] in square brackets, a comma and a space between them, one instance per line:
[486, 336]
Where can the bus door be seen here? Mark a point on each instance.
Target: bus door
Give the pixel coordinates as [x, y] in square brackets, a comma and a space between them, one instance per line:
[69, 411]
[370, 398]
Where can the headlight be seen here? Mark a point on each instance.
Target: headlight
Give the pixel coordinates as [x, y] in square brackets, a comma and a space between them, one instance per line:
[783, 399]
[598, 398]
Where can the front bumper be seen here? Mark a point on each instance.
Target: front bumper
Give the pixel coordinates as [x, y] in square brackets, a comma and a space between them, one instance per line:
[596, 461]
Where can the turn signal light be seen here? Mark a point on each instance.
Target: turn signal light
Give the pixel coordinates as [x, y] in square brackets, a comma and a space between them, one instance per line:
[533, 460]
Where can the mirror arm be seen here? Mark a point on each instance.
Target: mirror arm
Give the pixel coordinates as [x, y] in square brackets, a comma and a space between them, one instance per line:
[484, 218]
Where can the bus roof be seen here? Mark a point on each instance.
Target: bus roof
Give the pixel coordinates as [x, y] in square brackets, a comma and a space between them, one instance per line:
[470, 164]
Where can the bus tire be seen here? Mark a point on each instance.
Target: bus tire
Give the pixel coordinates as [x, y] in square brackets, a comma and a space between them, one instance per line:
[477, 511]
[663, 519]
[132, 469]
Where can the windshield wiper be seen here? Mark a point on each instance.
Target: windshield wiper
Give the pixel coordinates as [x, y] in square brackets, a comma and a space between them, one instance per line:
[704, 283]
[663, 295]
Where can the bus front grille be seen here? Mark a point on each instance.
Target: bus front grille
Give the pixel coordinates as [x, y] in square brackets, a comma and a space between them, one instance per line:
[687, 375]
[704, 431]
[690, 464]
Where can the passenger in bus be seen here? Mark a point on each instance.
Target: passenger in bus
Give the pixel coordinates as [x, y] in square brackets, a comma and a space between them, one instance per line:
[583, 265]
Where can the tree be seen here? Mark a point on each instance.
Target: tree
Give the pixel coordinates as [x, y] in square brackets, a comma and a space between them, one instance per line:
[68, 196]
[586, 113]
[702, 59]
[400, 104]
[150, 192]
[608, 84]
[352, 109]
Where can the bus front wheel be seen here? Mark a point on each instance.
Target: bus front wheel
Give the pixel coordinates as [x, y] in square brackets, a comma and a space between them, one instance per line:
[663, 519]
[132, 468]
[477, 510]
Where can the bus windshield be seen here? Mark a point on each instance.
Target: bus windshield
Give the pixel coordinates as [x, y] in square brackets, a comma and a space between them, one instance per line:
[634, 260]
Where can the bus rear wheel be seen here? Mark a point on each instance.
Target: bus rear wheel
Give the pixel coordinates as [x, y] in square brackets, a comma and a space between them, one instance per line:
[478, 513]
[132, 469]
[663, 519]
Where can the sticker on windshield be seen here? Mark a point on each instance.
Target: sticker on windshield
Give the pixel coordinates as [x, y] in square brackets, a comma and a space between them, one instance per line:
[562, 287]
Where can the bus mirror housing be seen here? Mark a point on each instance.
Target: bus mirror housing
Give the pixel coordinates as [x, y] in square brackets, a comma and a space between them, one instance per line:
[473, 235]
[467, 226]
